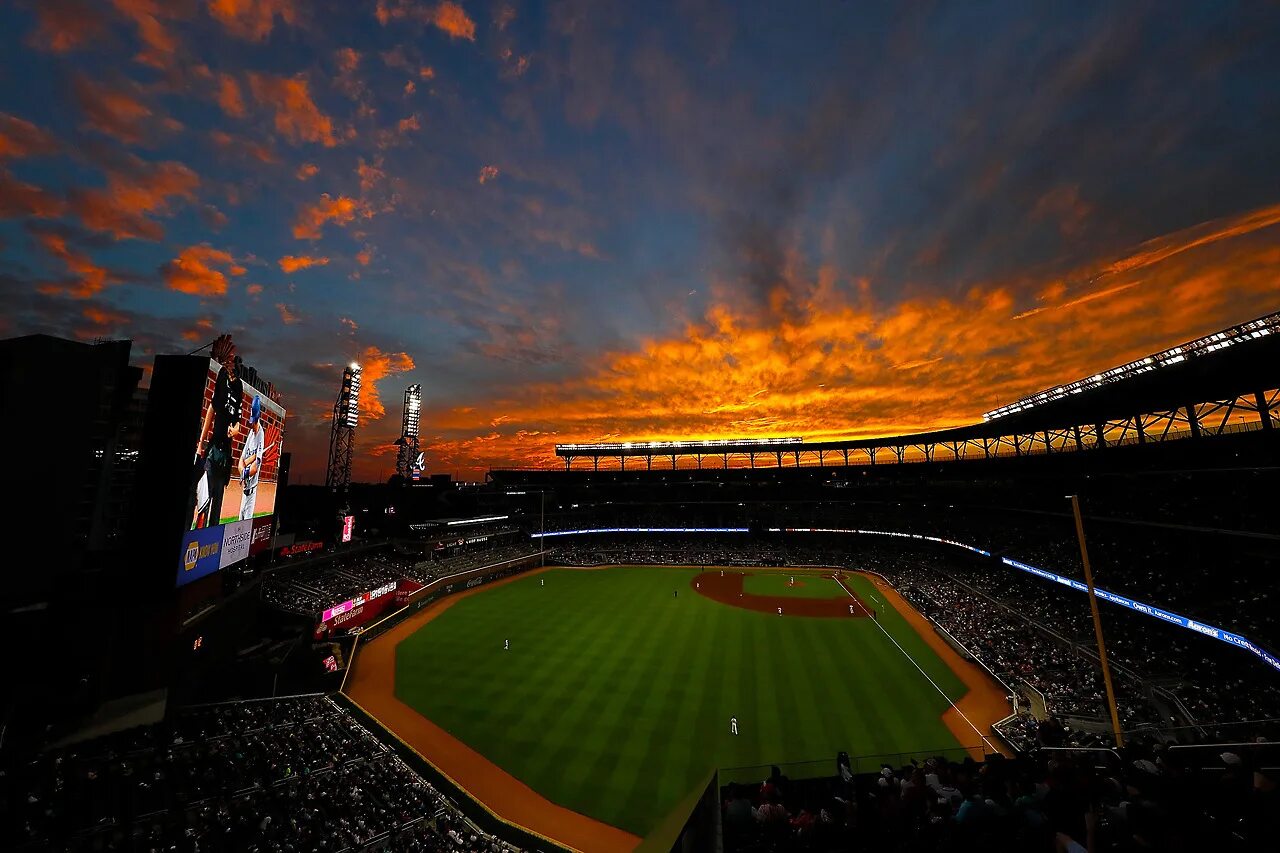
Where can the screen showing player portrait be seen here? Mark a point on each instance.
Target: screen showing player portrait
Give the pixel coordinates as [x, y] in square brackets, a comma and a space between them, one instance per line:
[232, 494]
[237, 452]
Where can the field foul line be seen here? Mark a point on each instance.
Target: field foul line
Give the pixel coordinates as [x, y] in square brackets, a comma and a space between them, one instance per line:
[908, 656]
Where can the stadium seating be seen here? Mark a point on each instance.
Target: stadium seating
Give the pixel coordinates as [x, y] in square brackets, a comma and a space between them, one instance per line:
[311, 587]
[297, 774]
[1147, 797]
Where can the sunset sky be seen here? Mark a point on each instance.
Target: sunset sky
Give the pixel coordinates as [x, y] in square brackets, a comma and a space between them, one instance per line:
[586, 220]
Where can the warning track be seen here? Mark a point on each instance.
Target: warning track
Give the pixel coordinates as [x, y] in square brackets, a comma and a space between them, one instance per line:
[727, 588]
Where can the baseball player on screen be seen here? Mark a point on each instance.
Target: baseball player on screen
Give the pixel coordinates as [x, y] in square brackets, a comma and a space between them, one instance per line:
[251, 460]
[219, 429]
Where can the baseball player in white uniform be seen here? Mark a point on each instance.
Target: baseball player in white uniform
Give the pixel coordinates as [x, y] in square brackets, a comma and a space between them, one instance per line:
[251, 460]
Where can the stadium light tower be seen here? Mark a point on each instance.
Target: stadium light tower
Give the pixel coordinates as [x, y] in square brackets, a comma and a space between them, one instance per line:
[409, 457]
[346, 415]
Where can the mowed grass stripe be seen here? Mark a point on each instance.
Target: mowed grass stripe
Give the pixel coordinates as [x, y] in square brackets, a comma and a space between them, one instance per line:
[832, 715]
[790, 675]
[615, 697]
[607, 662]
[627, 704]
[679, 659]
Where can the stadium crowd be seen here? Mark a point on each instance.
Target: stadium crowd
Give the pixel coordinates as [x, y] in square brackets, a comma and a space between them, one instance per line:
[1145, 797]
[274, 776]
[311, 587]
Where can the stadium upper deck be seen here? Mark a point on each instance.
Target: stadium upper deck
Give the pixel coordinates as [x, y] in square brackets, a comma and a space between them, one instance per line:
[1194, 389]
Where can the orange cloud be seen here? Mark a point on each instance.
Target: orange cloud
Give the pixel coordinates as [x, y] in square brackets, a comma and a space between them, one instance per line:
[136, 190]
[426, 72]
[452, 19]
[487, 173]
[89, 278]
[113, 109]
[253, 289]
[825, 360]
[1161, 248]
[408, 124]
[296, 116]
[307, 171]
[103, 322]
[66, 25]
[18, 199]
[364, 256]
[312, 218]
[242, 146]
[290, 263]
[370, 174]
[348, 59]
[288, 314]
[229, 97]
[159, 44]
[196, 271]
[377, 365]
[252, 20]
[20, 138]
[200, 330]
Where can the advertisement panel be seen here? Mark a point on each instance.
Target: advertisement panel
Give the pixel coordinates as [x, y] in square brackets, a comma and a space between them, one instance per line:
[235, 542]
[357, 611]
[261, 538]
[237, 452]
[201, 551]
[348, 524]
[301, 548]
[406, 588]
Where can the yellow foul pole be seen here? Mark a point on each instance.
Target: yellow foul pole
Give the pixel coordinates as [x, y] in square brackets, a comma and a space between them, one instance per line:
[1097, 625]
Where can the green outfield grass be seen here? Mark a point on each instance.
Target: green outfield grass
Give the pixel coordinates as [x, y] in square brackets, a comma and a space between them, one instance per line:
[812, 586]
[615, 696]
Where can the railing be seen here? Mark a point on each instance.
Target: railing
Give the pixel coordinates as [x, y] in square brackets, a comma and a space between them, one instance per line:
[819, 768]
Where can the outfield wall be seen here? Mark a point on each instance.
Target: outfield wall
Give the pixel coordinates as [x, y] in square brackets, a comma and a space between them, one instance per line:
[440, 587]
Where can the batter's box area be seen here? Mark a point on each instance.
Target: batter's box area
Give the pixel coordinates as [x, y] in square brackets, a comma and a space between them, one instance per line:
[728, 587]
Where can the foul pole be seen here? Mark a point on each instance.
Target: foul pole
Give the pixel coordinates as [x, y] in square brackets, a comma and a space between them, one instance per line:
[1097, 625]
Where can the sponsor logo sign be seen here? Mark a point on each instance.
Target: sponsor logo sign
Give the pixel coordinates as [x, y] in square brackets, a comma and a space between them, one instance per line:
[261, 538]
[348, 524]
[359, 600]
[300, 548]
[235, 542]
[200, 554]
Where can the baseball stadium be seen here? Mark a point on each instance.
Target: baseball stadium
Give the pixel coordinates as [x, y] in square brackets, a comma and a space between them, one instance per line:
[581, 426]
[733, 645]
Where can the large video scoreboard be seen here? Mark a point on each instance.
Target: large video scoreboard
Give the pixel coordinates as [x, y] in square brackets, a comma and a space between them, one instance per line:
[224, 448]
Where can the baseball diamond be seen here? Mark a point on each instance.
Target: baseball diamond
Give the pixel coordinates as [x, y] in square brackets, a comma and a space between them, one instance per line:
[615, 697]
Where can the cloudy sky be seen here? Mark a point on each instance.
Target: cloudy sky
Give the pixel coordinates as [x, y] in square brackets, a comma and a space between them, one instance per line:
[584, 220]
